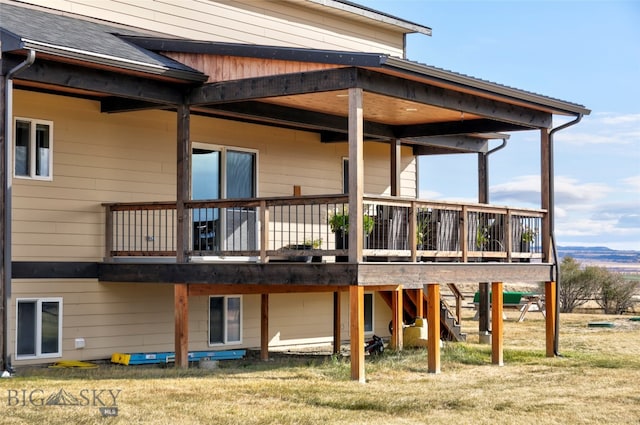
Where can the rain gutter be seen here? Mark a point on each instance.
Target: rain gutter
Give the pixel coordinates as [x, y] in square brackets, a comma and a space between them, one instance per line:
[552, 229]
[7, 187]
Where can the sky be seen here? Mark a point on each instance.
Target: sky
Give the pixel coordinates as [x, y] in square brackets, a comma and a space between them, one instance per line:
[584, 52]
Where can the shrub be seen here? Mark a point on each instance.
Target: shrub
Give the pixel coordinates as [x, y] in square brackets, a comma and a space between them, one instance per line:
[615, 293]
[575, 288]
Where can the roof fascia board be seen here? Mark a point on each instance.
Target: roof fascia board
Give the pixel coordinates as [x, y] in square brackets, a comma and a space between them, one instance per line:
[257, 51]
[98, 81]
[557, 105]
[374, 15]
[111, 61]
[9, 41]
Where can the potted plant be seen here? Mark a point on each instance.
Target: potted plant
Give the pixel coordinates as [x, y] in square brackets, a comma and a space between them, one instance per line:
[339, 224]
[527, 238]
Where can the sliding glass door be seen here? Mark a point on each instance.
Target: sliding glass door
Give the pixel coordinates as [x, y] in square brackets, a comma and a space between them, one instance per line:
[223, 173]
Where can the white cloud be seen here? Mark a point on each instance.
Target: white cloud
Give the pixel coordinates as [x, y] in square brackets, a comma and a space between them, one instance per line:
[568, 191]
[603, 128]
[634, 182]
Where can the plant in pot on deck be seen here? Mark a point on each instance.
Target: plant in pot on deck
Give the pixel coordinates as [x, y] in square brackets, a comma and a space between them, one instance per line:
[339, 224]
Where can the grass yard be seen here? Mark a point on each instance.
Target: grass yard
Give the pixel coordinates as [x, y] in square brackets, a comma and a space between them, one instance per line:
[596, 381]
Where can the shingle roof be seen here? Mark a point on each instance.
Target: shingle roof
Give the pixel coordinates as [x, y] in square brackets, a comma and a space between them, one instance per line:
[77, 38]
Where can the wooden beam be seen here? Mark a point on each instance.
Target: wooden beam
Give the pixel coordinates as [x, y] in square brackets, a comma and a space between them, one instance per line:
[457, 143]
[356, 325]
[356, 176]
[318, 275]
[545, 193]
[181, 309]
[483, 178]
[264, 327]
[337, 326]
[397, 310]
[99, 81]
[406, 89]
[204, 289]
[334, 128]
[484, 125]
[419, 296]
[433, 327]
[550, 316]
[183, 182]
[395, 156]
[497, 324]
[273, 86]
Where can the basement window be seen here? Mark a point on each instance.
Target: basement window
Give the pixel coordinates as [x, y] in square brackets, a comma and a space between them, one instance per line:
[225, 320]
[368, 312]
[33, 149]
[38, 328]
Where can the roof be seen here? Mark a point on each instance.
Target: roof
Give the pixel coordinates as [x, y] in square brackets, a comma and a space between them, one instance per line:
[380, 61]
[70, 38]
[356, 10]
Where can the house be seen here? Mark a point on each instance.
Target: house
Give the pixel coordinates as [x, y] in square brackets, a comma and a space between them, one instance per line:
[221, 175]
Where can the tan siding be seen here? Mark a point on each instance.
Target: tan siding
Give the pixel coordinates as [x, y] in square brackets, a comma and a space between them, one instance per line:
[253, 21]
[125, 318]
[118, 162]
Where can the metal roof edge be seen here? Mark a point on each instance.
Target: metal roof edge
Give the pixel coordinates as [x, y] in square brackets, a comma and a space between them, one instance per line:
[376, 15]
[9, 41]
[484, 85]
[113, 61]
[298, 54]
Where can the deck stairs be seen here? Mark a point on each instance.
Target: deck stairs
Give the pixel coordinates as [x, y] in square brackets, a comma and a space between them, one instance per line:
[450, 329]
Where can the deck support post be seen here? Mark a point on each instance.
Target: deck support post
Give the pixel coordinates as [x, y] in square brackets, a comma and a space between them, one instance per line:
[181, 308]
[484, 330]
[397, 310]
[264, 327]
[336, 323]
[356, 301]
[420, 302]
[356, 175]
[433, 327]
[497, 324]
[550, 316]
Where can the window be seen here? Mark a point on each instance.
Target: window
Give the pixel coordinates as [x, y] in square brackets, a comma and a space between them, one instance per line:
[219, 173]
[225, 320]
[39, 327]
[368, 313]
[33, 156]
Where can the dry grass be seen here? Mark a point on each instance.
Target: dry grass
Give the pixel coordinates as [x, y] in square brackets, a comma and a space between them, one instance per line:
[596, 381]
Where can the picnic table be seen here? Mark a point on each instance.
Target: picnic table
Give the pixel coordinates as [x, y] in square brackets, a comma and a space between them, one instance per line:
[523, 301]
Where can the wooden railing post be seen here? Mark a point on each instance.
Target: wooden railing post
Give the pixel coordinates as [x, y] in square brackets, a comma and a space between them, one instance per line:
[508, 237]
[413, 228]
[464, 234]
[108, 234]
[264, 231]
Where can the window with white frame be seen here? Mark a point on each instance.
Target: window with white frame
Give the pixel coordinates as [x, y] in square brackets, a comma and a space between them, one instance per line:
[33, 149]
[368, 312]
[225, 319]
[38, 328]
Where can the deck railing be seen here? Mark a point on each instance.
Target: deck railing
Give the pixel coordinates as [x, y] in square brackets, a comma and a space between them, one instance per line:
[313, 228]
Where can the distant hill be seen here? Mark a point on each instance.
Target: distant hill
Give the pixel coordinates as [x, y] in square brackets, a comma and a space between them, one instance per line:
[599, 254]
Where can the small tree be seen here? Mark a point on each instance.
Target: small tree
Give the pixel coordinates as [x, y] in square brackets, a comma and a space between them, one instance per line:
[615, 293]
[575, 288]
